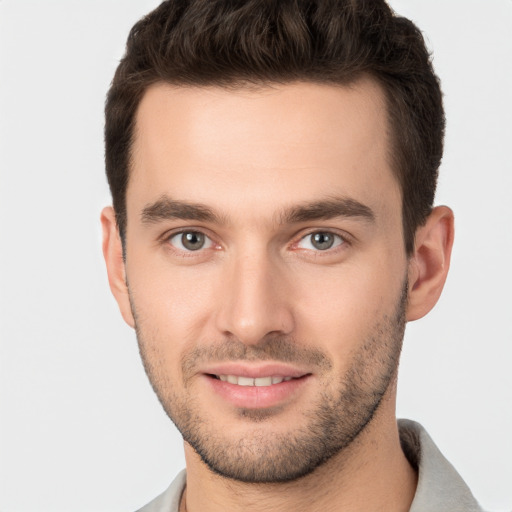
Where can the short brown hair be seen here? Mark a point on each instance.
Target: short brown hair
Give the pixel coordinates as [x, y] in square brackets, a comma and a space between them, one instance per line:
[232, 43]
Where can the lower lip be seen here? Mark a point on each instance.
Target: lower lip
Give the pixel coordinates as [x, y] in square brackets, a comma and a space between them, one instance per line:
[257, 397]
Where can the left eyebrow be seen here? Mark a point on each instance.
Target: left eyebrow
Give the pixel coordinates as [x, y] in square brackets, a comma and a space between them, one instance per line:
[327, 209]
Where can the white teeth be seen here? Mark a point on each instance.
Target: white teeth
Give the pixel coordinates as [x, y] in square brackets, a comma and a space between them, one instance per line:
[248, 381]
[262, 381]
[245, 381]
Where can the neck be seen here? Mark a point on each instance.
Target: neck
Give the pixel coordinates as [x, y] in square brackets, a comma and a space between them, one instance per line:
[371, 474]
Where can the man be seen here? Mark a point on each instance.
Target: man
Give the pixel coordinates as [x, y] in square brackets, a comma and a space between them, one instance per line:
[273, 168]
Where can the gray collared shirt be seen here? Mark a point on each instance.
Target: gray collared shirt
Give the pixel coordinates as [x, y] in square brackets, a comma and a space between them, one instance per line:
[440, 487]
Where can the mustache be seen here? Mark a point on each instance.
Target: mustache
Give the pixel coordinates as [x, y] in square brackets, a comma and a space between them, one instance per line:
[282, 349]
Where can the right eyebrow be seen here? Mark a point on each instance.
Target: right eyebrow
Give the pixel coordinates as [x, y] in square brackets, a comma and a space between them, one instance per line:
[166, 208]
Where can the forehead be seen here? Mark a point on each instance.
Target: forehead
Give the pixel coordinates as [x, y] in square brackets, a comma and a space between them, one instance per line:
[263, 146]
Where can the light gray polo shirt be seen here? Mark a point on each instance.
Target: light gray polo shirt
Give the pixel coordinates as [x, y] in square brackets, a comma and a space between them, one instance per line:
[440, 487]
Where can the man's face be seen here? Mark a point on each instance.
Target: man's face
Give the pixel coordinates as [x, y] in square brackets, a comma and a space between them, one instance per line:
[266, 269]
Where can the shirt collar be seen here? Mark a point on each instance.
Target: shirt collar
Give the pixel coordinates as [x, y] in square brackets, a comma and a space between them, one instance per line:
[440, 487]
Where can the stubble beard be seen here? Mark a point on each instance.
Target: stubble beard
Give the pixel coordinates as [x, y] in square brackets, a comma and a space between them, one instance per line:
[329, 426]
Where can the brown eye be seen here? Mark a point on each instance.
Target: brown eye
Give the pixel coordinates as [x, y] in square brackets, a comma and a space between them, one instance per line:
[190, 241]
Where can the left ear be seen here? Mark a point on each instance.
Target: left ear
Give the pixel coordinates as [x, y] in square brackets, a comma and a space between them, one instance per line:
[429, 264]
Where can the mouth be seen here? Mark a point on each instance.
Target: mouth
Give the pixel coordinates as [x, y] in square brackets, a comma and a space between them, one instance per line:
[256, 387]
[240, 380]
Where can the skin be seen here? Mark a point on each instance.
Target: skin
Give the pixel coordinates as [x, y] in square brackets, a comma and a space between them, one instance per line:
[252, 158]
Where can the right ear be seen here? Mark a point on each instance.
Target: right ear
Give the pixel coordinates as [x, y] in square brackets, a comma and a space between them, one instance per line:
[113, 254]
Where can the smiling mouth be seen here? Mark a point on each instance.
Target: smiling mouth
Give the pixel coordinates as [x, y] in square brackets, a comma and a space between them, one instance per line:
[256, 382]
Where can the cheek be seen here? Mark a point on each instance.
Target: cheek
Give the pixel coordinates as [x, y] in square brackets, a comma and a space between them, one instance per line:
[171, 305]
[340, 308]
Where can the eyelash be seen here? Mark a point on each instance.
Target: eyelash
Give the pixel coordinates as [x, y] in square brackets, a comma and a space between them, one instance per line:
[341, 242]
[338, 241]
[183, 252]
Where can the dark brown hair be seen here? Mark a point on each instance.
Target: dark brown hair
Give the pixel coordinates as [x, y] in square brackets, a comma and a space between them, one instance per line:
[232, 43]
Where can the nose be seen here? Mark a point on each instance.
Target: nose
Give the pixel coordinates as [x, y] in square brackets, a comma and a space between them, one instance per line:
[254, 300]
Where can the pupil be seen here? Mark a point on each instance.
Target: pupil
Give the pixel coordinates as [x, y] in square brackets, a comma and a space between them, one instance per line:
[323, 240]
[192, 241]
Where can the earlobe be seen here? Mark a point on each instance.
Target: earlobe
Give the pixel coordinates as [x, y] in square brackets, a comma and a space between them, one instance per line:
[113, 254]
[428, 266]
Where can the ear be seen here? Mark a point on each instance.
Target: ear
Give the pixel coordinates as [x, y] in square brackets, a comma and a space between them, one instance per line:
[428, 266]
[113, 254]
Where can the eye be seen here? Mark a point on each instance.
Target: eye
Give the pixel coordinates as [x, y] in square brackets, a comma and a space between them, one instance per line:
[320, 241]
[190, 241]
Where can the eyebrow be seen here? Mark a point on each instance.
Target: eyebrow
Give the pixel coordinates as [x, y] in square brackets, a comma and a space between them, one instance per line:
[167, 208]
[327, 209]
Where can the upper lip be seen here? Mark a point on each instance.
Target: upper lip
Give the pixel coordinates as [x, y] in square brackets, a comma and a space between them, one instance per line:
[254, 371]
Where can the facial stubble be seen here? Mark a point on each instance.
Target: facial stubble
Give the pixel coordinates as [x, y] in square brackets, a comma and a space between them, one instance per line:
[342, 411]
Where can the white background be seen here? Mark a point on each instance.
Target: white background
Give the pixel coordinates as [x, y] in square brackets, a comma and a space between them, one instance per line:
[80, 427]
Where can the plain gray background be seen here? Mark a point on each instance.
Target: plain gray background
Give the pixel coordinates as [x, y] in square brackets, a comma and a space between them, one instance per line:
[80, 427]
